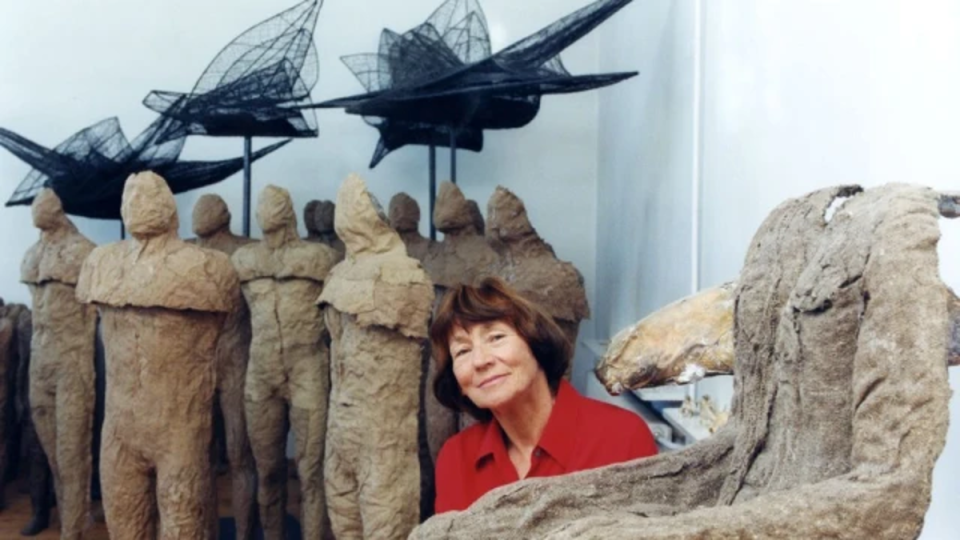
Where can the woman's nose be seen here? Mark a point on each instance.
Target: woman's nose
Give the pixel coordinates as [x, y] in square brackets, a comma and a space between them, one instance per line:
[482, 357]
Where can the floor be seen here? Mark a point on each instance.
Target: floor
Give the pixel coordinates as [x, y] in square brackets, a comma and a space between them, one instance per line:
[17, 512]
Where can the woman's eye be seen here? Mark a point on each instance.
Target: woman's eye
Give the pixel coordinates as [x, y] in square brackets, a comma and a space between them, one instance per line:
[460, 352]
[497, 337]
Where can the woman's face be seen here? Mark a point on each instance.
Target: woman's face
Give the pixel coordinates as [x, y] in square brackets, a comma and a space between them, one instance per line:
[493, 364]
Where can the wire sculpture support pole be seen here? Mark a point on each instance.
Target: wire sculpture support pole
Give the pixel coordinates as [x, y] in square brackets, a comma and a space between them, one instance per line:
[433, 189]
[453, 155]
[123, 231]
[247, 149]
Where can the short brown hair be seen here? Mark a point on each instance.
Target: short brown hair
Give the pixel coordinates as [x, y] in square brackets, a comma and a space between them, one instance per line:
[493, 300]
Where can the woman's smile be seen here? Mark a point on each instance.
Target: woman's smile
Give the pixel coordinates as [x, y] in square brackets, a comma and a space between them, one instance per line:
[490, 382]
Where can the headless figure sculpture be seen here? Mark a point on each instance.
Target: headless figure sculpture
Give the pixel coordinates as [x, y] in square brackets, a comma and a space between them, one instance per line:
[318, 218]
[529, 265]
[162, 304]
[211, 224]
[62, 381]
[405, 219]
[377, 305]
[288, 376]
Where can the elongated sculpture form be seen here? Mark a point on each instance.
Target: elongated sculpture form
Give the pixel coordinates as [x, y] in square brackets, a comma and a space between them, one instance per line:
[377, 305]
[288, 376]
[318, 218]
[840, 410]
[528, 263]
[683, 342]
[62, 391]
[405, 219]
[162, 304]
[211, 224]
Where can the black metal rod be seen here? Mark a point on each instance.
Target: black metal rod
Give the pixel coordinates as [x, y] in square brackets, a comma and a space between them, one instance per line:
[123, 231]
[453, 155]
[247, 150]
[433, 189]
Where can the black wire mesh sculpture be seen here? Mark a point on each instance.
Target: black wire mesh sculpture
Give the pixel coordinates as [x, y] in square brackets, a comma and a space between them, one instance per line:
[256, 86]
[89, 168]
[439, 83]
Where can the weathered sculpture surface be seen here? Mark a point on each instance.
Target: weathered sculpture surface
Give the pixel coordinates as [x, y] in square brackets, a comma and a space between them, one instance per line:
[288, 377]
[528, 264]
[840, 411]
[377, 304]
[683, 342]
[318, 218]
[39, 480]
[62, 391]
[211, 224]
[162, 303]
[404, 217]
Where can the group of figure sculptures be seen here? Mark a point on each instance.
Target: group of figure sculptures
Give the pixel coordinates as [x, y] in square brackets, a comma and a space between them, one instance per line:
[307, 335]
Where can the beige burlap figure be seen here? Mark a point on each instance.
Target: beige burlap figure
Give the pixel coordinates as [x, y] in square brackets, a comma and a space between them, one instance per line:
[318, 218]
[530, 266]
[842, 331]
[162, 303]
[13, 416]
[288, 377]
[62, 381]
[404, 216]
[377, 305]
[211, 224]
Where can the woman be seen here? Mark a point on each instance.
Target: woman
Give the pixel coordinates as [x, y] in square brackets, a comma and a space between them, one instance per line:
[501, 359]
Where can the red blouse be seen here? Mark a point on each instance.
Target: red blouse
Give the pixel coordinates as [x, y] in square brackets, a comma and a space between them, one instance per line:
[582, 433]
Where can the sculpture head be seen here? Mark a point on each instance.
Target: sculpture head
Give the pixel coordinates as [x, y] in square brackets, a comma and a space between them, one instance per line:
[507, 217]
[148, 208]
[47, 210]
[360, 221]
[210, 215]
[318, 217]
[452, 211]
[275, 209]
[404, 213]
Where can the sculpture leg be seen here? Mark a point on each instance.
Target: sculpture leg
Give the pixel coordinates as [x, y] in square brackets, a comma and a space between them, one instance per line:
[74, 425]
[390, 492]
[39, 482]
[128, 491]
[340, 481]
[184, 487]
[43, 415]
[309, 428]
[267, 425]
[243, 472]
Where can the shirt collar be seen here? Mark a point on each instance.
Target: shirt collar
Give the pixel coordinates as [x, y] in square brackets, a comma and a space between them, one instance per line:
[558, 435]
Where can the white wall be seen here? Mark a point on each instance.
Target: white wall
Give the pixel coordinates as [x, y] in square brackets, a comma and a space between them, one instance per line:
[796, 96]
[66, 65]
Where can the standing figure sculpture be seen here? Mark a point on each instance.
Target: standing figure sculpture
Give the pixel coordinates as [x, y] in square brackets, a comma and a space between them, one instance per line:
[211, 224]
[405, 219]
[377, 305]
[162, 303]
[530, 266]
[318, 218]
[288, 377]
[62, 381]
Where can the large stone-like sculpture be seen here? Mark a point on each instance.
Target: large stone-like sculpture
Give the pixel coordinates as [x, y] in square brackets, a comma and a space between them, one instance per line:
[840, 408]
[39, 480]
[377, 304]
[318, 218]
[529, 264]
[288, 377]
[162, 303]
[683, 342]
[404, 217]
[211, 224]
[62, 382]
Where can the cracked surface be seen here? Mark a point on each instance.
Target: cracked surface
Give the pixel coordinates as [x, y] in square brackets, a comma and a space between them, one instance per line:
[840, 405]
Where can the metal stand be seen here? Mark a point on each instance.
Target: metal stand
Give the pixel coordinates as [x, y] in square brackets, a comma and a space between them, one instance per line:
[123, 231]
[247, 150]
[453, 155]
[433, 189]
